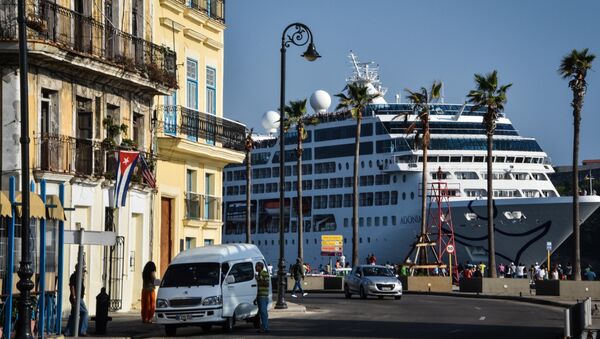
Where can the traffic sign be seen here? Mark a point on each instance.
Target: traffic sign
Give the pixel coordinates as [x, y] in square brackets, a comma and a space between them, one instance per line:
[332, 245]
[549, 245]
[332, 237]
[450, 248]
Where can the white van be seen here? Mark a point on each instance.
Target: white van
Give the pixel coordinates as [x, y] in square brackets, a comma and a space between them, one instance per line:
[210, 285]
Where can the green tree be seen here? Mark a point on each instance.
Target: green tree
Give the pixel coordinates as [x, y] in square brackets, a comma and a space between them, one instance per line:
[574, 66]
[420, 101]
[489, 95]
[296, 115]
[355, 100]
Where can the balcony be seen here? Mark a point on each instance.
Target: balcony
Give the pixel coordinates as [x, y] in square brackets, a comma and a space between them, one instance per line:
[202, 207]
[65, 155]
[201, 127]
[72, 32]
[214, 9]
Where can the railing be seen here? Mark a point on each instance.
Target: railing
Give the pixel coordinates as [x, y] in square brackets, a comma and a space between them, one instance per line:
[80, 33]
[215, 9]
[202, 207]
[82, 157]
[196, 125]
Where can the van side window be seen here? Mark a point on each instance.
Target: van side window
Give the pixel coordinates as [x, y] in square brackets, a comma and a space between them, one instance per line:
[224, 270]
[242, 272]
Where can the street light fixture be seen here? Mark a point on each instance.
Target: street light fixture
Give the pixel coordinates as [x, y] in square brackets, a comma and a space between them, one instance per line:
[299, 35]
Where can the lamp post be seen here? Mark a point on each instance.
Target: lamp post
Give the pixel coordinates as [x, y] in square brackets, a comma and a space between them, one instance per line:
[299, 35]
[24, 304]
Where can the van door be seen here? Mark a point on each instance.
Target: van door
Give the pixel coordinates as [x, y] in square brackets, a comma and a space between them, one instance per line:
[239, 294]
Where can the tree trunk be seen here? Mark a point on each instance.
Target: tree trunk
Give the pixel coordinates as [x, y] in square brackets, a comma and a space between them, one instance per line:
[299, 211]
[490, 209]
[577, 103]
[355, 260]
[248, 192]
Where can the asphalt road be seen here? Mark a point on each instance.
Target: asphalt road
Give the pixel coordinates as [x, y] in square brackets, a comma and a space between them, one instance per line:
[415, 316]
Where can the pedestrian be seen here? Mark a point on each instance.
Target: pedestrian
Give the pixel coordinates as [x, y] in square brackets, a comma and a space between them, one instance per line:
[569, 271]
[478, 273]
[373, 259]
[520, 271]
[262, 296]
[270, 268]
[343, 260]
[148, 292]
[589, 274]
[512, 269]
[501, 269]
[481, 268]
[83, 312]
[298, 274]
[338, 265]
[467, 273]
[554, 274]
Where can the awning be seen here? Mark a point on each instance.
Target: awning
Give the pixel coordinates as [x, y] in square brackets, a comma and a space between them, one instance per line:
[5, 208]
[36, 206]
[54, 209]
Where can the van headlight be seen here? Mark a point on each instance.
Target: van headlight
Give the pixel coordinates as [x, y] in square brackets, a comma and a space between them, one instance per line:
[215, 300]
[162, 303]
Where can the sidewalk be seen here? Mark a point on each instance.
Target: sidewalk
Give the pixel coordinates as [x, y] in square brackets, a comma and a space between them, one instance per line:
[129, 324]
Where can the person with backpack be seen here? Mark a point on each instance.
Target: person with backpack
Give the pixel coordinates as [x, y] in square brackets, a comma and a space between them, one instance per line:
[298, 273]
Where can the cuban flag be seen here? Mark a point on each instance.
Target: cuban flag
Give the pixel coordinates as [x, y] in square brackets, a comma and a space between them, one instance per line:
[126, 165]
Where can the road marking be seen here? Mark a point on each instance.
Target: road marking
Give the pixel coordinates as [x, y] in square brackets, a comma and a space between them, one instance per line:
[482, 317]
[477, 308]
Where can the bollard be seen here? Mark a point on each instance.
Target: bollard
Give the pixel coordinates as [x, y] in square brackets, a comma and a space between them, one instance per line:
[102, 303]
[567, 323]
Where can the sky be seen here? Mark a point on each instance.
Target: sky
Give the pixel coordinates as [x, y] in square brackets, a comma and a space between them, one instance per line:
[415, 43]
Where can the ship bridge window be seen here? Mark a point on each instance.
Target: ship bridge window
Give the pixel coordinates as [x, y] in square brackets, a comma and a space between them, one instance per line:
[444, 158]
[348, 181]
[521, 176]
[365, 199]
[506, 193]
[306, 185]
[443, 175]
[549, 193]
[499, 159]
[532, 193]
[497, 176]
[539, 176]
[510, 159]
[466, 175]
[320, 201]
[528, 160]
[336, 182]
[475, 193]
[307, 169]
[519, 160]
[382, 179]
[343, 132]
[366, 180]
[432, 159]
[335, 201]
[347, 200]
[478, 159]
[467, 158]
[343, 150]
[325, 167]
[454, 159]
[320, 184]
[382, 198]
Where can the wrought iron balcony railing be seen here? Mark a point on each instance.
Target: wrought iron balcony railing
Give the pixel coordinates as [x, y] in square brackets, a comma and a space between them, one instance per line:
[202, 206]
[79, 157]
[214, 9]
[68, 29]
[198, 126]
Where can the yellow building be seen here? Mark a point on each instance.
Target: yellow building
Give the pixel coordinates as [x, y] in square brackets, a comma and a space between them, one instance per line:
[194, 141]
[92, 70]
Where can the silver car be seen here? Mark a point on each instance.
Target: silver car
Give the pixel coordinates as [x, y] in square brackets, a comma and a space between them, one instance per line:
[374, 280]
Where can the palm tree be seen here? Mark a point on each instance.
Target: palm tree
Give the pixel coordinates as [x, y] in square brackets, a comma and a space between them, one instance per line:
[249, 144]
[420, 101]
[355, 101]
[493, 97]
[574, 66]
[296, 115]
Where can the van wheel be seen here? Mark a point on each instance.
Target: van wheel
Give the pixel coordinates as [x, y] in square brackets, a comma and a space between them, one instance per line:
[363, 295]
[347, 293]
[170, 330]
[229, 324]
[206, 328]
[256, 321]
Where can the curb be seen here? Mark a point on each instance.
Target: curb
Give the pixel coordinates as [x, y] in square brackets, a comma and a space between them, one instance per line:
[292, 308]
[531, 300]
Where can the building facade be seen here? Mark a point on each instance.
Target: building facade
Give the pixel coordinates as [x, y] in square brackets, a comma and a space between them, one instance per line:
[93, 76]
[193, 139]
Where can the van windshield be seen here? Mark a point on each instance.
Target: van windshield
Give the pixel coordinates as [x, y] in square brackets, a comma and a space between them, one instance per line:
[192, 274]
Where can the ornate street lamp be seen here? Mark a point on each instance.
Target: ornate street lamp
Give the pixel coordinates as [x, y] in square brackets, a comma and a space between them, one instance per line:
[24, 304]
[299, 35]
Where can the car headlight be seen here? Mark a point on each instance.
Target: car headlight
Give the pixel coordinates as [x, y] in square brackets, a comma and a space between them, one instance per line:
[215, 300]
[162, 303]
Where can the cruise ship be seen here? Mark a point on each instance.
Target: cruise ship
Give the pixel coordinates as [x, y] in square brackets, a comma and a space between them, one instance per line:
[528, 210]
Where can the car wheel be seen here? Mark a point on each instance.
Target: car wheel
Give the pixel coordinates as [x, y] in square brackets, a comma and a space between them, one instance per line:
[229, 324]
[398, 297]
[170, 330]
[256, 321]
[347, 293]
[206, 328]
[363, 294]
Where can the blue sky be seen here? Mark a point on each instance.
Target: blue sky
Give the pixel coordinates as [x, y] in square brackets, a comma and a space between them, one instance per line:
[415, 43]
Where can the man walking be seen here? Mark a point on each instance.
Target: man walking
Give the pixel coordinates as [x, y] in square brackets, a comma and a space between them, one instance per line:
[298, 274]
[83, 312]
[262, 296]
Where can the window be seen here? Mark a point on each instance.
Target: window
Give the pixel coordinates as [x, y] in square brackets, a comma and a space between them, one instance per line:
[384, 221]
[192, 83]
[190, 243]
[242, 272]
[193, 274]
[211, 90]
[138, 129]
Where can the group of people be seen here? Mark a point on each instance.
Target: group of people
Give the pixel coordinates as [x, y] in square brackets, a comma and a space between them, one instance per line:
[520, 271]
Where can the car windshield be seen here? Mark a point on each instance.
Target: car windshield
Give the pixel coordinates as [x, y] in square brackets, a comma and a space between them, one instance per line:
[193, 274]
[377, 272]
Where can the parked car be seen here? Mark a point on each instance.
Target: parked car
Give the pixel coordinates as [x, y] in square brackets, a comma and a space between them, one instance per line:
[210, 285]
[373, 280]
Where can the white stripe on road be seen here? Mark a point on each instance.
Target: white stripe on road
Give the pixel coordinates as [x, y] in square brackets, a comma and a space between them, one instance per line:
[482, 317]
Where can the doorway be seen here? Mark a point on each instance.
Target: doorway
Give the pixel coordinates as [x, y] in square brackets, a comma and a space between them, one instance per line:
[166, 231]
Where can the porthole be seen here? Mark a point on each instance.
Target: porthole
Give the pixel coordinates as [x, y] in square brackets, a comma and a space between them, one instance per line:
[339, 167]
[412, 195]
[403, 195]
[347, 166]
[394, 178]
[404, 178]
[370, 163]
[362, 164]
